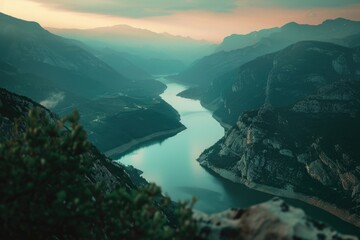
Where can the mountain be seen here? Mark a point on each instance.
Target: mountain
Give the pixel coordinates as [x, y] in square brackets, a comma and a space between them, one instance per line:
[63, 75]
[141, 42]
[205, 70]
[65, 65]
[295, 131]
[27, 46]
[122, 64]
[248, 87]
[236, 41]
[271, 217]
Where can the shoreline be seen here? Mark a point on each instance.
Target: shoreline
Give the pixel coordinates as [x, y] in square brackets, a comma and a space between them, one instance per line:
[143, 140]
[223, 124]
[288, 193]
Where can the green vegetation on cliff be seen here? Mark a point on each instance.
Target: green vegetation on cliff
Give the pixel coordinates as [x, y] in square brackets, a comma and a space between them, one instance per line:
[46, 192]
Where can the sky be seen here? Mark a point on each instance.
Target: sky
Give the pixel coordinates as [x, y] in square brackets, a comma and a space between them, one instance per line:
[210, 20]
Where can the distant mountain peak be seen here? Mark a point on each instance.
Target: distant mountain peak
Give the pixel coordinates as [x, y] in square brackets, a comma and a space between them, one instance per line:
[290, 25]
[18, 22]
[337, 20]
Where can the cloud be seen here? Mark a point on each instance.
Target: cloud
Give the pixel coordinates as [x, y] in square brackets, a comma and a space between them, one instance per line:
[297, 4]
[53, 100]
[140, 8]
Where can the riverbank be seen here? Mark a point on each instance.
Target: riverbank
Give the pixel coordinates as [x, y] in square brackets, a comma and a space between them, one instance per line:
[136, 143]
[222, 123]
[343, 214]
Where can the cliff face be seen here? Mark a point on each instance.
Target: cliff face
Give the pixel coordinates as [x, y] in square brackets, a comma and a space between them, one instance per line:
[283, 78]
[303, 140]
[205, 70]
[13, 107]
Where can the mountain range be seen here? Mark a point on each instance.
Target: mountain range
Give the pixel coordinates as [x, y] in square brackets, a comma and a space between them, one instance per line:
[141, 42]
[288, 97]
[205, 70]
[63, 75]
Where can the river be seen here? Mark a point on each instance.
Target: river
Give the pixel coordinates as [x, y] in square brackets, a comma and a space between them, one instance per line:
[172, 165]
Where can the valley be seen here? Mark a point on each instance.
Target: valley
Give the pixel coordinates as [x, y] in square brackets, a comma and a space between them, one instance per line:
[271, 113]
[171, 163]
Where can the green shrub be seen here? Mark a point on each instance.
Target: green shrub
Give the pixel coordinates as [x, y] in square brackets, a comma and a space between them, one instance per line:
[45, 193]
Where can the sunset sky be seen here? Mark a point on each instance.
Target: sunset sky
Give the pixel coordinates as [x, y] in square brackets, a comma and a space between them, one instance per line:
[200, 19]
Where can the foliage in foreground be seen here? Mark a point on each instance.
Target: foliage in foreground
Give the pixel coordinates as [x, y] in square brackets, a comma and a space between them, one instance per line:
[45, 194]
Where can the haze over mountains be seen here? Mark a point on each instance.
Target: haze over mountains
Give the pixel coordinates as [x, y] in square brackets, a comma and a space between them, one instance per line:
[294, 115]
[145, 46]
[236, 41]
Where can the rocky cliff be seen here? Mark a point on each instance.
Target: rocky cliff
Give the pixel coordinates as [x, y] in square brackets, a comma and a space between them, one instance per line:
[302, 140]
[62, 75]
[283, 78]
[271, 220]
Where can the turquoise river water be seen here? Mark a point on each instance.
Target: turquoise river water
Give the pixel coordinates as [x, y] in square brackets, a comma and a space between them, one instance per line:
[172, 165]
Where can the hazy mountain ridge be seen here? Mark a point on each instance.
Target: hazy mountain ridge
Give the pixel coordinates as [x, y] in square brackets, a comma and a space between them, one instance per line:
[142, 42]
[34, 50]
[154, 66]
[205, 70]
[116, 121]
[294, 115]
[236, 41]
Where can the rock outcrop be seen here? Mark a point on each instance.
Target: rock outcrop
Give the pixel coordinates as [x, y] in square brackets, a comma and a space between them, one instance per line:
[274, 219]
